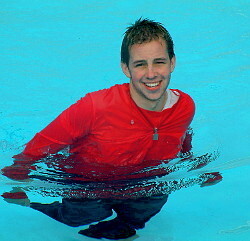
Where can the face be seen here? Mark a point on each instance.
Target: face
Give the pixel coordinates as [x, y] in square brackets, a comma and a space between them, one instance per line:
[149, 71]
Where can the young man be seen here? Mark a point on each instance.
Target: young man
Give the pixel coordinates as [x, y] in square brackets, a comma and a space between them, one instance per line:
[130, 125]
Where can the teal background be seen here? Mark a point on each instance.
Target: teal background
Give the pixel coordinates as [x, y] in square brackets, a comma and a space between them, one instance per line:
[53, 52]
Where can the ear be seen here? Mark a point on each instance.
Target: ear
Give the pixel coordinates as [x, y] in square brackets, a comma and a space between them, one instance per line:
[172, 62]
[125, 70]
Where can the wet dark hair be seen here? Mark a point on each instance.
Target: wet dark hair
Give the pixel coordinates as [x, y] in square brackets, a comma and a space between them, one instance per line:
[143, 31]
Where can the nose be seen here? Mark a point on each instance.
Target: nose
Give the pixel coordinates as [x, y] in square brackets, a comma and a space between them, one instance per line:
[151, 73]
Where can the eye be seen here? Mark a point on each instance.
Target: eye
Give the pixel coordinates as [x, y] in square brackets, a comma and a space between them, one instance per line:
[160, 62]
[139, 64]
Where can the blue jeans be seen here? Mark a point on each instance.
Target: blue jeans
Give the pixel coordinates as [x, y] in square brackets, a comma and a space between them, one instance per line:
[77, 212]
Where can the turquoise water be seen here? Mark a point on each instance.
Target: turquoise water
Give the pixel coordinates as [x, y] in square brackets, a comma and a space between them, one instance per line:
[53, 52]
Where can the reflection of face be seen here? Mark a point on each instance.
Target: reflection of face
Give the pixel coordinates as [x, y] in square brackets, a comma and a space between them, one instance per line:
[149, 71]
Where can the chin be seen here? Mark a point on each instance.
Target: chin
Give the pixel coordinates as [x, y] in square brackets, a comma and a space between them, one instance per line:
[154, 98]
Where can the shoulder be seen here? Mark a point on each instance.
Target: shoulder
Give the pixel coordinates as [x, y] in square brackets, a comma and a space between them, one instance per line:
[185, 103]
[101, 98]
[113, 90]
[183, 97]
[113, 95]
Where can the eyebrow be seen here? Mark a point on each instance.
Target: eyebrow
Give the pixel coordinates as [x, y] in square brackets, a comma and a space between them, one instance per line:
[162, 59]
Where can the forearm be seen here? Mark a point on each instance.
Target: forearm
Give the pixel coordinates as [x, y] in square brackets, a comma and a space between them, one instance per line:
[23, 163]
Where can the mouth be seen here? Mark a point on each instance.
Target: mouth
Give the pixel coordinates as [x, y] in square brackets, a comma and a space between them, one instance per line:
[152, 85]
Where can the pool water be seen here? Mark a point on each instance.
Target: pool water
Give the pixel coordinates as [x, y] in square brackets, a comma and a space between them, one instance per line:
[54, 52]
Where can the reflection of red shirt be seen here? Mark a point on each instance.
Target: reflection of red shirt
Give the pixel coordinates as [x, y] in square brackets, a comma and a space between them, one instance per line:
[107, 127]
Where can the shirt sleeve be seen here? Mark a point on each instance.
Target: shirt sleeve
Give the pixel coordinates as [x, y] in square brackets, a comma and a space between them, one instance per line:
[73, 123]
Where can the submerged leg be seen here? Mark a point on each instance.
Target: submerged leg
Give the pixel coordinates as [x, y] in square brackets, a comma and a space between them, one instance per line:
[75, 212]
[131, 215]
[139, 211]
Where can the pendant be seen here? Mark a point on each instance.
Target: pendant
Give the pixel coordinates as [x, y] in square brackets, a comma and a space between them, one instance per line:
[155, 136]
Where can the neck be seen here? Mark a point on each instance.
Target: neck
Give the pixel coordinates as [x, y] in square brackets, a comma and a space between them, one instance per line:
[152, 105]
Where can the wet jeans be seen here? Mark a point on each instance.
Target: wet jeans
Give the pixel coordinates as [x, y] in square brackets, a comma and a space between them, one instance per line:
[77, 212]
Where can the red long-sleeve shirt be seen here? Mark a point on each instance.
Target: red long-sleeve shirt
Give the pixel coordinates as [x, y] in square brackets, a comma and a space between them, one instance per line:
[107, 127]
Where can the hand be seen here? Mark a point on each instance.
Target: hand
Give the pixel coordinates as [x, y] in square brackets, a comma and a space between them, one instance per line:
[213, 180]
[16, 196]
[16, 172]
